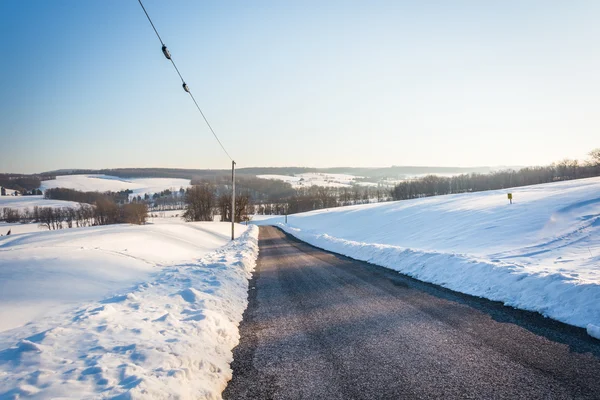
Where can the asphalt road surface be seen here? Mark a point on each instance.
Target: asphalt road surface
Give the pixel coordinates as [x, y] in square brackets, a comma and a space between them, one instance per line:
[323, 326]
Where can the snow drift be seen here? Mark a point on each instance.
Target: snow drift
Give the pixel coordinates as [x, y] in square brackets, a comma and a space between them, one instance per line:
[168, 336]
[50, 271]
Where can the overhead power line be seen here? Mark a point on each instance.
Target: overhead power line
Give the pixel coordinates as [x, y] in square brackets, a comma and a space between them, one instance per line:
[167, 54]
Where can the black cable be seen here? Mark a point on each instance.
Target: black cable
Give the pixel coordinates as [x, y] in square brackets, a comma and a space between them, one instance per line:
[210, 127]
[147, 16]
[176, 69]
[183, 81]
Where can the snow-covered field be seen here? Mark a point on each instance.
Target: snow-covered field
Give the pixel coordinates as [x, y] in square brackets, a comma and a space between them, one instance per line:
[134, 311]
[103, 183]
[541, 253]
[23, 202]
[314, 178]
[18, 228]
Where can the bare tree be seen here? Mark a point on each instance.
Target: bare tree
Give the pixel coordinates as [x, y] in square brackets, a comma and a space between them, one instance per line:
[242, 207]
[199, 203]
[595, 155]
[106, 212]
[134, 213]
[224, 204]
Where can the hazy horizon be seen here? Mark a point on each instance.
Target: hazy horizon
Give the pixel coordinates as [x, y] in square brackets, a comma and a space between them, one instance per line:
[494, 167]
[298, 83]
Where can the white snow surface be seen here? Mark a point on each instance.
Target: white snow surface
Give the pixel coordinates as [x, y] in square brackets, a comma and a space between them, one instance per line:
[16, 228]
[132, 311]
[104, 183]
[541, 253]
[314, 178]
[23, 202]
[593, 330]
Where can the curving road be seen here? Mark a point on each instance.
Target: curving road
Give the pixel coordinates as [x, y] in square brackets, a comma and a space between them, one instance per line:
[323, 326]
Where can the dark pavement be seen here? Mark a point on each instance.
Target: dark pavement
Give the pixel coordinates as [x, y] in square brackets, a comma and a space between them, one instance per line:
[323, 326]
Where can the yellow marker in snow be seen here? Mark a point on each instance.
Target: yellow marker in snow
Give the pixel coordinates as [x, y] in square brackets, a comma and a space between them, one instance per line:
[510, 197]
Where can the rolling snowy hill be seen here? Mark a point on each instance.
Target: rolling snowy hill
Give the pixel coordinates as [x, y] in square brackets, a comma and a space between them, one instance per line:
[22, 202]
[103, 183]
[122, 310]
[541, 253]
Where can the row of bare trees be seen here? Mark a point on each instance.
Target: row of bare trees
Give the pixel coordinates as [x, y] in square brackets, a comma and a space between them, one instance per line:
[104, 212]
[319, 197]
[432, 185]
[203, 202]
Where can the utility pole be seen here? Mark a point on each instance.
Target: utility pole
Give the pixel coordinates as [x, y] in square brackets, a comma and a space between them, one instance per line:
[232, 199]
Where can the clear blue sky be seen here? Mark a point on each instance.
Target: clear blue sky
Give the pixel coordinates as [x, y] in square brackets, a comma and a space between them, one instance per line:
[309, 83]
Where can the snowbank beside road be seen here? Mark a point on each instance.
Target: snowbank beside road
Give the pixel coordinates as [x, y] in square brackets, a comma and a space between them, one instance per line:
[541, 253]
[593, 330]
[554, 295]
[170, 337]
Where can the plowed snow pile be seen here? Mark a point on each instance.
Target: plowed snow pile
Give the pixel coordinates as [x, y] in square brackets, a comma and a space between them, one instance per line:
[541, 253]
[122, 311]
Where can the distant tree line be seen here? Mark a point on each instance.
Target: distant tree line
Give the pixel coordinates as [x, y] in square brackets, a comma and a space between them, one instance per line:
[24, 184]
[432, 185]
[271, 197]
[395, 172]
[319, 197]
[275, 197]
[181, 173]
[76, 196]
[261, 190]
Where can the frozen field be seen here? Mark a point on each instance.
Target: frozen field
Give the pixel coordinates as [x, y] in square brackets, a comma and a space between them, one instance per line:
[23, 202]
[127, 310]
[314, 178]
[16, 228]
[103, 183]
[541, 253]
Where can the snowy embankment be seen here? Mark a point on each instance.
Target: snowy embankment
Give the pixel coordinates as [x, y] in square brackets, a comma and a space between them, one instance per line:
[541, 253]
[170, 298]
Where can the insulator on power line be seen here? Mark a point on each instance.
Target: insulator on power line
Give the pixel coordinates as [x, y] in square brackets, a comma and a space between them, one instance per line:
[166, 52]
[185, 87]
